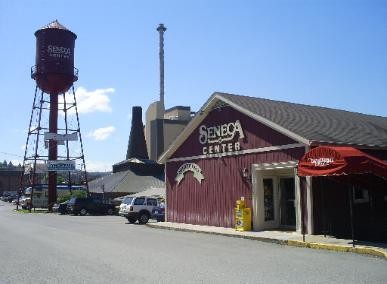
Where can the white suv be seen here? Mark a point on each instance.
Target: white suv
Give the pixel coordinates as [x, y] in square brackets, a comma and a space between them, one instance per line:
[25, 202]
[137, 208]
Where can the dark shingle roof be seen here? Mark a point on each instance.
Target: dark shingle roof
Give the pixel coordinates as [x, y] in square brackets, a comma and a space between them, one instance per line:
[317, 124]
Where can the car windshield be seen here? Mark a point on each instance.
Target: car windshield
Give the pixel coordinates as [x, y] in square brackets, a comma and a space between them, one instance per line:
[127, 200]
[72, 200]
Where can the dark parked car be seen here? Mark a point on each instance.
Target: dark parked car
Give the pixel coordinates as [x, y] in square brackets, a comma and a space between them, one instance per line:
[61, 208]
[158, 212]
[85, 205]
[10, 198]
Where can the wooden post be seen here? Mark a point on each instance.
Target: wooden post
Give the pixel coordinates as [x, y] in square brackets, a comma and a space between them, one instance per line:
[350, 191]
[322, 184]
[302, 201]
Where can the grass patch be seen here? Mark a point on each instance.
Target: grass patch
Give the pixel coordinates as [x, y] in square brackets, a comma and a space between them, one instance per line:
[32, 211]
[21, 211]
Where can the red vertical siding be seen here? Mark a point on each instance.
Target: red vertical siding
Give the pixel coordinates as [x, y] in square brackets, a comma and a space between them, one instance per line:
[212, 202]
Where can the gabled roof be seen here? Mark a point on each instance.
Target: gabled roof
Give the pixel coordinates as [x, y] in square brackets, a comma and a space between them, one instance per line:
[318, 124]
[127, 181]
[153, 191]
[310, 125]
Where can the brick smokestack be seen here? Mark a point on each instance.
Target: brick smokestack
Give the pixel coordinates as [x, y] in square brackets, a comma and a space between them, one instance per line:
[137, 145]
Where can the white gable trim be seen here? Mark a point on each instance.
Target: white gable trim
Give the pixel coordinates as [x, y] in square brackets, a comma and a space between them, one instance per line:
[202, 114]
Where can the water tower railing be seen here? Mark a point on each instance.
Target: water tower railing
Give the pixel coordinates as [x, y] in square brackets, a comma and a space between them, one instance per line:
[35, 71]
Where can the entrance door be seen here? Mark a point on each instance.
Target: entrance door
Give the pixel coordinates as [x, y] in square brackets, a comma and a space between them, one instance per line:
[287, 202]
[268, 200]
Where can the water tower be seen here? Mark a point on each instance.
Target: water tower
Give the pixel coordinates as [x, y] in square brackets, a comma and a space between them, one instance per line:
[54, 143]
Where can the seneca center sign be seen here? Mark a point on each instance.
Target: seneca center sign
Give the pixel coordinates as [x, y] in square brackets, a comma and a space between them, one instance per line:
[220, 138]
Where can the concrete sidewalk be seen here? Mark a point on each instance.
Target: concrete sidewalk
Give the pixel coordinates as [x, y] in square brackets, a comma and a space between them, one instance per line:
[283, 238]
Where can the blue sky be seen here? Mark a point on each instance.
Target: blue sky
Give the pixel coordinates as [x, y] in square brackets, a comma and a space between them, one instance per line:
[326, 53]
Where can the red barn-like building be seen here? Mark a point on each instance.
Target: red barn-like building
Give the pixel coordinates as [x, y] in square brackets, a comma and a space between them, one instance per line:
[239, 146]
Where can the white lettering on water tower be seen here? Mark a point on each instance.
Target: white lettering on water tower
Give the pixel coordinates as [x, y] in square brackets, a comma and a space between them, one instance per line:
[59, 51]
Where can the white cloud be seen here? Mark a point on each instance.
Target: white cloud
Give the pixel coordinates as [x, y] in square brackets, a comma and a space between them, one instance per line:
[103, 133]
[90, 101]
[96, 166]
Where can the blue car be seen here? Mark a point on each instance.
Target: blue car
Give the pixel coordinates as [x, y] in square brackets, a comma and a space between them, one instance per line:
[158, 212]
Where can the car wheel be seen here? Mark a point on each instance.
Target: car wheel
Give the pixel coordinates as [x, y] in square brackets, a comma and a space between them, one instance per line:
[132, 220]
[143, 219]
[110, 211]
[83, 212]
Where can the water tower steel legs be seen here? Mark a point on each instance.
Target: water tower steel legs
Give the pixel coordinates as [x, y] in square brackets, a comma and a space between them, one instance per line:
[21, 188]
[80, 140]
[52, 149]
[67, 142]
[36, 156]
[35, 159]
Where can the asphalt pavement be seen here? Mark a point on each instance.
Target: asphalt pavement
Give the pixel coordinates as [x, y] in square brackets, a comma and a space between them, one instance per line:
[51, 248]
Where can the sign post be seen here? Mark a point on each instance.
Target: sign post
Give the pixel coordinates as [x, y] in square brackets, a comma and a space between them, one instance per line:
[61, 166]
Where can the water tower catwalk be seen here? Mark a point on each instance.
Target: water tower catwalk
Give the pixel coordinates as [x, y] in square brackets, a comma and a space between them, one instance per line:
[54, 149]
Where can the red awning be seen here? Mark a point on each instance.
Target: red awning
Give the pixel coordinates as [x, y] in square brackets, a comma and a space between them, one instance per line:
[330, 161]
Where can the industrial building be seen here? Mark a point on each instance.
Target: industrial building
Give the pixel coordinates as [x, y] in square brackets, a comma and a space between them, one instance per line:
[163, 126]
[10, 177]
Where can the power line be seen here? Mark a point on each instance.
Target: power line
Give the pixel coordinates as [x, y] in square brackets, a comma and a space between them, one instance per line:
[10, 154]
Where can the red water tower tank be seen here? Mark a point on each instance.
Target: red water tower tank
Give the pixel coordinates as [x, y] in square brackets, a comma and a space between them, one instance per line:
[54, 71]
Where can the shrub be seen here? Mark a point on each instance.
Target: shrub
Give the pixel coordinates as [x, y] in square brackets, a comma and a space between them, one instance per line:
[75, 193]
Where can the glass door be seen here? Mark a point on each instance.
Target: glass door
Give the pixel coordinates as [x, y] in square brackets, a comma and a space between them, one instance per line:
[268, 199]
[287, 202]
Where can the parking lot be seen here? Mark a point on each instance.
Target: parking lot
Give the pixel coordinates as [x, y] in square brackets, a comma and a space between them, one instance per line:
[52, 248]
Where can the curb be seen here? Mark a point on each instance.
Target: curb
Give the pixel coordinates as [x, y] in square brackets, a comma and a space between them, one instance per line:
[261, 239]
[324, 246]
[340, 248]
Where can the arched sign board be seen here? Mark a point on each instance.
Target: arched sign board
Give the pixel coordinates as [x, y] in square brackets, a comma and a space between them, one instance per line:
[189, 167]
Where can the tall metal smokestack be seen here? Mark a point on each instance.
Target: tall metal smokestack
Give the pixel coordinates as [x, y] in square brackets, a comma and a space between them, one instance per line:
[137, 144]
[161, 29]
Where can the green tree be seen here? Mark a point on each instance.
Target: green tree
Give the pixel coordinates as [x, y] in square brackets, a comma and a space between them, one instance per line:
[60, 179]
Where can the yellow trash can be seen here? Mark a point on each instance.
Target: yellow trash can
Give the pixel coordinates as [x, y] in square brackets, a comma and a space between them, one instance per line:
[242, 216]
